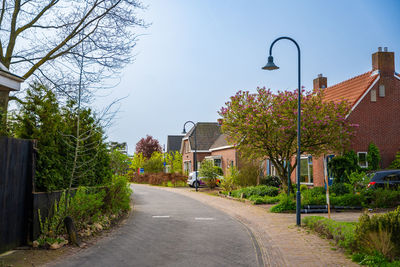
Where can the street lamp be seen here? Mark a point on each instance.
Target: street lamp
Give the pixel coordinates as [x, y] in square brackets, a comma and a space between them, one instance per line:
[195, 151]
[271, 66]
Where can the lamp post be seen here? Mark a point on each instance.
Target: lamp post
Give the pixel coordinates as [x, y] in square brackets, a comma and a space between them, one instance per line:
[195, 151]
[271, 66]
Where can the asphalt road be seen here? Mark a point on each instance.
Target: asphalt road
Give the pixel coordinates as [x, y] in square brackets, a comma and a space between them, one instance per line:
[168, 229]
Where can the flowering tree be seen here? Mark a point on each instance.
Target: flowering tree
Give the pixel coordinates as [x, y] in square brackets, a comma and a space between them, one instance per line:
[265, 125]
[147, 146]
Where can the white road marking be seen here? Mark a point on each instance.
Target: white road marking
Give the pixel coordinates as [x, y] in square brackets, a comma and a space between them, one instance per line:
[161, 216]
[204, 219]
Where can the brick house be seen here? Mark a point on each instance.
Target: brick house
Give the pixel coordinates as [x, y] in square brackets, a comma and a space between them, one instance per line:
[223, 154]
[375, 100]
[206, 134]
[212, 145]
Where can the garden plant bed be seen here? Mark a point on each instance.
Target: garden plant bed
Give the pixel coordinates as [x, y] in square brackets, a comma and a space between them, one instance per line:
[28, 256]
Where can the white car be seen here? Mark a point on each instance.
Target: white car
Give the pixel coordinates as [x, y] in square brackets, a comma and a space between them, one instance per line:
[191, 181]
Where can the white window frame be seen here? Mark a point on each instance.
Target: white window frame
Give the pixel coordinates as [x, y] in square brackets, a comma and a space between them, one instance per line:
[358, 159]
[272, 169]
[308, 169]
[187, 166]
[220, 162]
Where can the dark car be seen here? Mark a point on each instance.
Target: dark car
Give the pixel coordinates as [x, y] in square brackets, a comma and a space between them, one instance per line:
[385, 179]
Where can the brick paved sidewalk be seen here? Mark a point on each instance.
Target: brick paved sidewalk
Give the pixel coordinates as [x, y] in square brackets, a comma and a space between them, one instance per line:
[282, 242]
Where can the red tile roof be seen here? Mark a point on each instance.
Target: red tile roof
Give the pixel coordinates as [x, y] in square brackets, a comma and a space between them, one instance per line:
[352, 89]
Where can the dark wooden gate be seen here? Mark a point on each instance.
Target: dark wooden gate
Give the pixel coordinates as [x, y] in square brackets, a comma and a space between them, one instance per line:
[16, 179]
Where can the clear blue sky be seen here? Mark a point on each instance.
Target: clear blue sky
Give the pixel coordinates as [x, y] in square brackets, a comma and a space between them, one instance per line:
[196, 54]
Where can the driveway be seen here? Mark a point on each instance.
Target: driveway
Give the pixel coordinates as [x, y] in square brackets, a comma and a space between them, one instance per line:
[170, 229]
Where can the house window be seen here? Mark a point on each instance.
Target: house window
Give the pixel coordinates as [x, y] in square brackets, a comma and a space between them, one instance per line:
[362, 159]
[306, 170]
[187, 167]
[273, 169]
[328, 169]
[373, 95]
[217, 162]
[382, 90]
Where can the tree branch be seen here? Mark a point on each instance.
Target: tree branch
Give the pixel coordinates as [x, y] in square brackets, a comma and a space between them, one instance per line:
[72, 34]
[13, 35]
[38, 16]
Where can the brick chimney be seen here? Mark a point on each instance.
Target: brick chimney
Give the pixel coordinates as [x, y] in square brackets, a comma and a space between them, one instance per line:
[320, 82]
[383, 61]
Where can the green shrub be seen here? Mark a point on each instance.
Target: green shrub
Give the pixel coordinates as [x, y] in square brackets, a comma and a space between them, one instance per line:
[43, 117]
[358, 181]
[340, 189]
[348, 200]
[260, 190]
[264, 190]
[286, 203]
[396, 162]
[117, 198]
[85, 206]
[313, 196]
[341, 232]
[376, 259]
[264, 200]
[154, 164]
[383, 198]
[389, 223]
[271, 200]
[271, 181]
[318, 190]
[303, 187]
[209, 173]
[373, 157]
[218, 170]
[340, 165]
[228, 183]
[119, 162]
[257, 200]
[52, 225]
[248, 175]
[310, 197]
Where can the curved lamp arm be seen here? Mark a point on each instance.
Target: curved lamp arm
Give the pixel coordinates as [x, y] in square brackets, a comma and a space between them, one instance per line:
[271, 66]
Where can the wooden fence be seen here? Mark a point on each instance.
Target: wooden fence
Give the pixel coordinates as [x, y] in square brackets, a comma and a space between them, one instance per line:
[16, 183]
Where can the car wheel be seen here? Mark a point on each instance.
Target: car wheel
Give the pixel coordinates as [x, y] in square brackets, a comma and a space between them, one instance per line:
[198, 184]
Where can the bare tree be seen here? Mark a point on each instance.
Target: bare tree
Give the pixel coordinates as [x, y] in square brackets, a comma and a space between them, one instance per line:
[38, 37]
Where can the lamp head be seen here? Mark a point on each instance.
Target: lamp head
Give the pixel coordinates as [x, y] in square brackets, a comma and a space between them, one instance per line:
[270, 65]
[184, 131]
